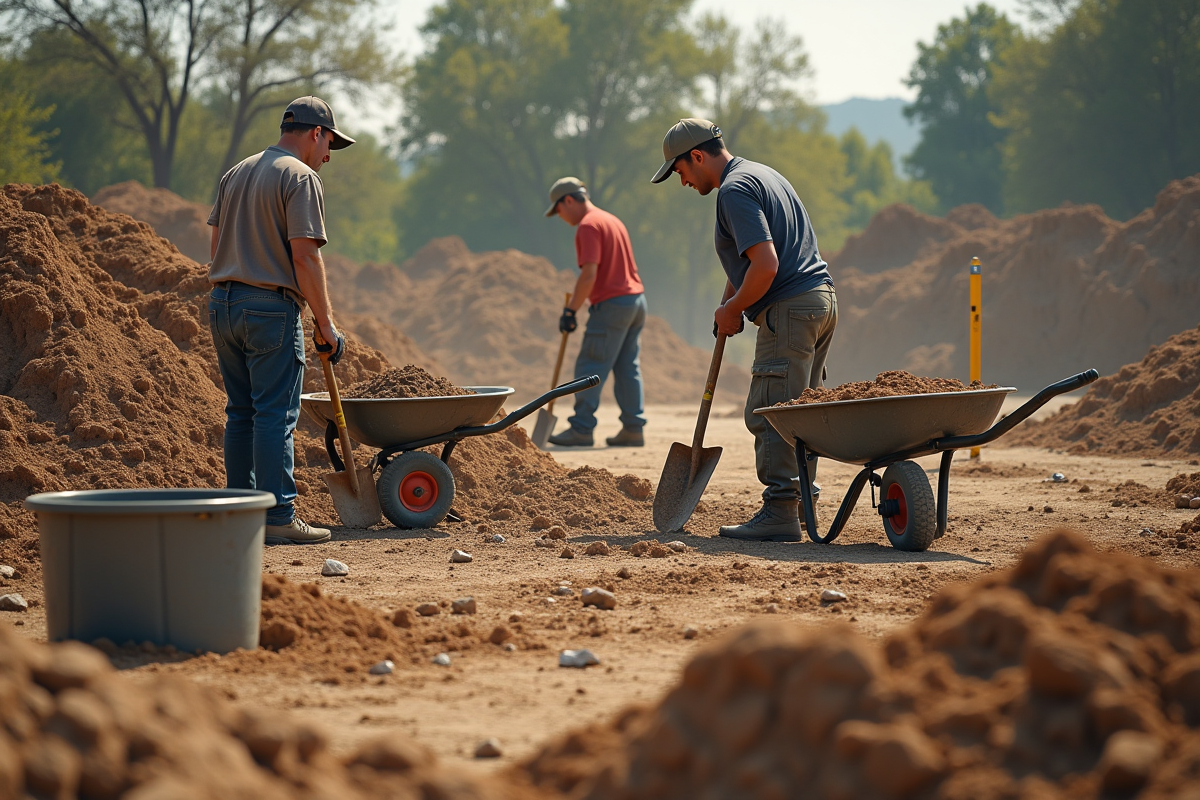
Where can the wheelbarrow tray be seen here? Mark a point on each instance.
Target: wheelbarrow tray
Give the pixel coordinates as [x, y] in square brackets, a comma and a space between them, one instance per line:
[382, 422]
[860, 431]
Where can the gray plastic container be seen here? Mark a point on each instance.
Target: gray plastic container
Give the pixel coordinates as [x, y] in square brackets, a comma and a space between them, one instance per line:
[168, 566]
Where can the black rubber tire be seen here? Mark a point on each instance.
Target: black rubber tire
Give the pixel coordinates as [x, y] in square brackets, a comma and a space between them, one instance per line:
[428, 472]
[920, 509]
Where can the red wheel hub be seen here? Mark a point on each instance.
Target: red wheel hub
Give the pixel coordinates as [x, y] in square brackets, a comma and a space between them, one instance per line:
[418, 491]
[899, 520]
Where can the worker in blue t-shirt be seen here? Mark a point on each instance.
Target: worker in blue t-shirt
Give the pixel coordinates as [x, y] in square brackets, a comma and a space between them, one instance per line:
[777, 280]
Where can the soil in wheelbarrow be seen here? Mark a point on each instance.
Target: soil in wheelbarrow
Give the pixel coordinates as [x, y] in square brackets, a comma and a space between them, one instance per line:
[886, 384]
[404, 382]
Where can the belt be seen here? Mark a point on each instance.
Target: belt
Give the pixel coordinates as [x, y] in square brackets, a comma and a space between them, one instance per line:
[290, 294]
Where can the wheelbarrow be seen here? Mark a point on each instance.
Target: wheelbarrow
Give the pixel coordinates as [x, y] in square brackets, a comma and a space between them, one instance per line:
[416, 489]
[887, 433]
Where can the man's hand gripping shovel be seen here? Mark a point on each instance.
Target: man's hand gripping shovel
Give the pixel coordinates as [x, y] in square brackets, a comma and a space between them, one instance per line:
[353, 490]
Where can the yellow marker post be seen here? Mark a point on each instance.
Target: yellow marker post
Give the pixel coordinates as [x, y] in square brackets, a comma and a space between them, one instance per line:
[976, 313]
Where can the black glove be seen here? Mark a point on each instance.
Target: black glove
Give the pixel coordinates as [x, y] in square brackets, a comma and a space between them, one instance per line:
[567, 322]
[741, 326]
[337, 349]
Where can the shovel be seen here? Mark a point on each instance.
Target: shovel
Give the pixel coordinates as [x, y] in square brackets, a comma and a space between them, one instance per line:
[544, 426]
[688, 469]
[352, 490]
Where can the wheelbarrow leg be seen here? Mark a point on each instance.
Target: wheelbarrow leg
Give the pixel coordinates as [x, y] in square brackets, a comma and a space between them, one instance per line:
[943, 496]
[810, 512]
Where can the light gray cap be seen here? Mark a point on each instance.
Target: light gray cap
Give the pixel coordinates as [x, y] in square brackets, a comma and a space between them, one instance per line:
[683, 137]
[561, 188]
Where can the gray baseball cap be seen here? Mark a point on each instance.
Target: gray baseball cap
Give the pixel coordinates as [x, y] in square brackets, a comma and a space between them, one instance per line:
[683, 137]
[313, 110]
[561, 188]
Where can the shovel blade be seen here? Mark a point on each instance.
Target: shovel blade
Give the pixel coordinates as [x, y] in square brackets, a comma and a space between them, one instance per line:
[543, 428]
[678, 490]
[356, 511]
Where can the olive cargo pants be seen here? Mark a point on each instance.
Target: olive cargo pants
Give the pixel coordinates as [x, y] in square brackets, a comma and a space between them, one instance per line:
[789, 356]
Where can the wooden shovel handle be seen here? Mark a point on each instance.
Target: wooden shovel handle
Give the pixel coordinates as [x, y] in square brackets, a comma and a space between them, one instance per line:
[339, 418]
[562, 350]
[710, 386]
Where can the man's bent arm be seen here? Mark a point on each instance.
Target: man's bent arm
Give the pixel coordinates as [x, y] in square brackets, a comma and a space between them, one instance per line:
[583, 286]
[764, 264]
[310, 277]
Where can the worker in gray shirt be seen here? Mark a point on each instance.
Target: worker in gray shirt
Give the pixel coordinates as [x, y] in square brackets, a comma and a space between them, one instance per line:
[777, 280]
[268, 227]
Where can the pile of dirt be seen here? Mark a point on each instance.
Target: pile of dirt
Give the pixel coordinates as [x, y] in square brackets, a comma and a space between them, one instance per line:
[401, 382]
[183, 223]
[1054, 282]
[71, 726]
[886, 384]
[1074, 674]
[1150, 408]
[1185, 483]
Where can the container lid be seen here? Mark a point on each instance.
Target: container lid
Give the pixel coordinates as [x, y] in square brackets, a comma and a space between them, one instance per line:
[150, 501]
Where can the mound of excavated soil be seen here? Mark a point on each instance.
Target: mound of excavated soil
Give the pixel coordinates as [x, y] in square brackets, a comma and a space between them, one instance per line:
[71, 726]
[1063, 289]
[401, 382]
[1185, 483]
[1074, 674]
[183, 223]
[886, 384]
[1150, 408]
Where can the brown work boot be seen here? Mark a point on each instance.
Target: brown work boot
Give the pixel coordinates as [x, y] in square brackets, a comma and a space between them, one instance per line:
[572, 437]
[776, 521]
[298, 532]
[628, 437]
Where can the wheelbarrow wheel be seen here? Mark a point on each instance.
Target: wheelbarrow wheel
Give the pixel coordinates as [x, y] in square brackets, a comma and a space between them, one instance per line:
[906, 493]
[416, 490]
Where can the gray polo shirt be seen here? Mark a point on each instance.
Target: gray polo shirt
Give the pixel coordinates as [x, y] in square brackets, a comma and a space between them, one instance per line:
[262, 204]
[757, 204]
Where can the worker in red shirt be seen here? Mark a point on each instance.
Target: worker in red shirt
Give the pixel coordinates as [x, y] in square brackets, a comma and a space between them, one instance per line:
[608, 279]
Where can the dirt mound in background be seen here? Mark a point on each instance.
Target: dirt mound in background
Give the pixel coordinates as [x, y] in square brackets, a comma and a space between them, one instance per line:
[1063, 290]
[1185, 483]
[886, 384]
[71, 726]
[1075, 673]
[1151, 408]
[406, 381]
[183, 223]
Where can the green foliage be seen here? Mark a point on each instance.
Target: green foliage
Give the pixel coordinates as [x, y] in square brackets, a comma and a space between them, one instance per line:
[874, 183]
[363, 192]
[960, 149]
[26, 155]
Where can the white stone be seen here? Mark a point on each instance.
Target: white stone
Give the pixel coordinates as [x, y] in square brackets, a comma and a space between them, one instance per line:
[13, 602]
[833, 596]
[1194, 502]
[497, 539]
[384, 667]
[564, 591]
[509, 647]
[334, 569]
[550, 601]
[442, 660]
[461, 557]
[6, 571]
[677, 546]
[577, 658]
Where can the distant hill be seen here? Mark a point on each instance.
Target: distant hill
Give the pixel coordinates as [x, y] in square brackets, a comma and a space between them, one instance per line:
[876, 119]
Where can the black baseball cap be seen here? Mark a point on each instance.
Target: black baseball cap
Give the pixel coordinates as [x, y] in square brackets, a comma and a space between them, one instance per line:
[312, 110]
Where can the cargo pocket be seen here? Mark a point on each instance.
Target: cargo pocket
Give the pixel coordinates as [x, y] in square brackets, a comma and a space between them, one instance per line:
[768, 383]
[804, 328]
[264, 330]
[593, 346]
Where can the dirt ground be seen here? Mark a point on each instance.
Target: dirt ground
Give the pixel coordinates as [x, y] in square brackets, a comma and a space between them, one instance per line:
[524, 699]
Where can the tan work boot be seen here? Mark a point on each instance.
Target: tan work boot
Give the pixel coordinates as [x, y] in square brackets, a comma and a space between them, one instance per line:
[572, 437]
[776, 521]
[628, 437]
[299, 532]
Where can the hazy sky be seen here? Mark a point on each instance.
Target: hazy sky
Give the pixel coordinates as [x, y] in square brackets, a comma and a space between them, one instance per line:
[858, 48]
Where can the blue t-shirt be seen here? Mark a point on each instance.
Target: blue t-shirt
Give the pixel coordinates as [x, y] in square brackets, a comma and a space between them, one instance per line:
[757, 204]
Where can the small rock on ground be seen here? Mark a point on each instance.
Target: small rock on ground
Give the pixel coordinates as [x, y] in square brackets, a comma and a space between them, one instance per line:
[597, 549]
[556, 532]
[489, 748]
[577, 658]
[463, 605]
[677, 546]
[442, 660]
[541, 522]
[13, 602]
[624, 572]
[564, 591]
[403, 618]
[6, 571]
[1194, 502]
[772, 608]
[461, 557]
[832, 596]
[384, 667]
[429, 609]
[567, 553]
[500, 634]
[691, 632]
[333, 568]
[510, 647]
[497, 539]
[600, 598]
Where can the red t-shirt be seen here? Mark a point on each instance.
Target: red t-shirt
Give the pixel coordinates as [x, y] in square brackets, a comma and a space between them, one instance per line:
[601, 239]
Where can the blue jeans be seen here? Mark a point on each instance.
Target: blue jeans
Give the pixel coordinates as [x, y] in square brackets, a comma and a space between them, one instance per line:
[612, 343]
[260, 350]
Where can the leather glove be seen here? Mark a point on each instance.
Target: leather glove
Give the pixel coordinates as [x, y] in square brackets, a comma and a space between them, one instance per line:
[336, 350]
[567, 322]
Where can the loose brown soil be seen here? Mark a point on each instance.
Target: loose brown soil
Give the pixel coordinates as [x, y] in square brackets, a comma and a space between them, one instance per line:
[886, 384]
[1149, 408]
[401, 382]
[1184, 483]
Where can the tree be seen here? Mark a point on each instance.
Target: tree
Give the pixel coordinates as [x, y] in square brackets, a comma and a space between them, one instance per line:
[960, 149]
[874, 183]
[25, 157]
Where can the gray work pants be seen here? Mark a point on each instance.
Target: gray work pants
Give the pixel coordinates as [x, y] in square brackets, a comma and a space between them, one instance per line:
[789, 356]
